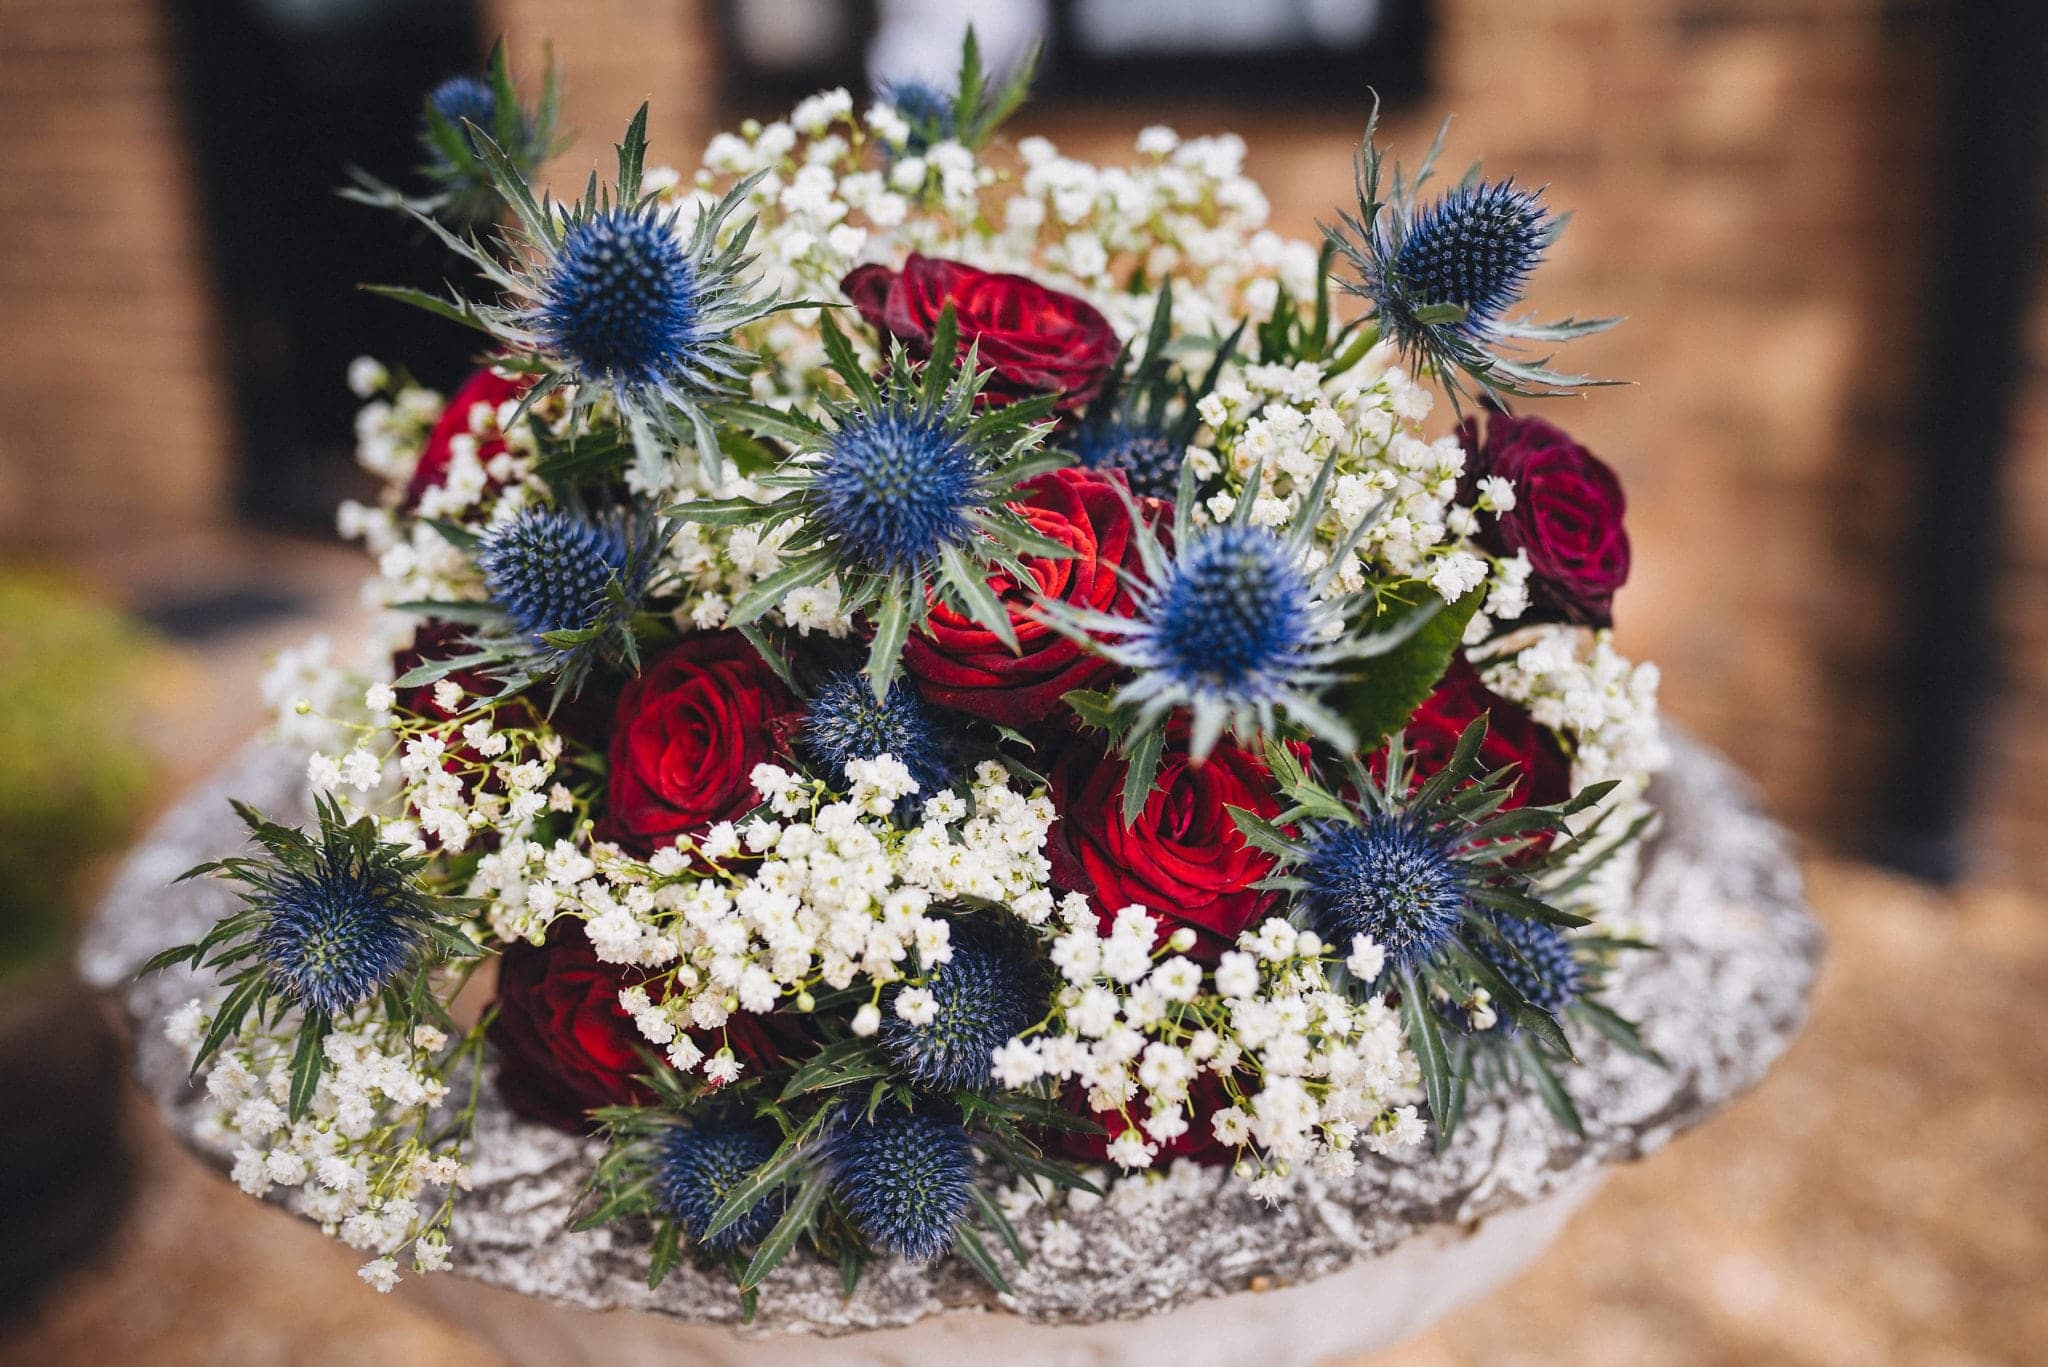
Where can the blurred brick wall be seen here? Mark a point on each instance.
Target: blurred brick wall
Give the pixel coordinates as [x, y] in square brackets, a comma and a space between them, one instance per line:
[1741, 176]
[111, 418]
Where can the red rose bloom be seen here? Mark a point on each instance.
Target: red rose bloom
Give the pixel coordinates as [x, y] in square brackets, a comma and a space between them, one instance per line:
[565, 1046]
[484, 387]
[1036, 340]
[687, 735]
[1567, 516]
[1543, 770]
[1184, 859]
[960, 663]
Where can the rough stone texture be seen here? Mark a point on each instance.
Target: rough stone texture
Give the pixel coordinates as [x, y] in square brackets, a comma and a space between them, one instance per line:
[1719, 999]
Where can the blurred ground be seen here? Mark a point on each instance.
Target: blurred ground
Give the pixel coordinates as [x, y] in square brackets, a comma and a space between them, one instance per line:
[1879, 1200]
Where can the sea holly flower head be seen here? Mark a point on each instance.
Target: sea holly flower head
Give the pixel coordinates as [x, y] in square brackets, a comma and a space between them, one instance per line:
[905, 1178]
[902, 492]
[1428, 867]
[847, 722]
[1235, 627]
[613, 299]
[567, 587]
[332, 920]
[991, 989]
[697, 1169]
[549, 570]
[456, 119]
[1440, 277]
[969, 113]
[1145, 417]
[1387, 879]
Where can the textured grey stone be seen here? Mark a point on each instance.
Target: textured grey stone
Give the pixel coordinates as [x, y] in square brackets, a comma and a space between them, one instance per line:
[1720, 998]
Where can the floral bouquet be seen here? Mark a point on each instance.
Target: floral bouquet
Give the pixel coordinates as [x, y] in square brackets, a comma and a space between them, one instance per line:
[921, 675]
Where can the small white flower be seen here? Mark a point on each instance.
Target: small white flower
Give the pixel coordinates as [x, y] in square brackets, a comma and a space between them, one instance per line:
[380, 1273]
[1367, 958]
[868, 1019]
[917, 1006]
[366, 376]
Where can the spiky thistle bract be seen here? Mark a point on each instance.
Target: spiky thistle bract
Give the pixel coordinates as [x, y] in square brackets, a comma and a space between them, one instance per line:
[903, 489]
[330, 922]
[613, 299]
[1430, 868]
[1143, 420]
[1234, 627]
[971, 111]
[1441, 276]
[465, 195]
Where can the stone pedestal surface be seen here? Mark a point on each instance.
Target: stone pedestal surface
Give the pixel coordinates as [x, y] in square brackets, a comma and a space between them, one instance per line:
[1400, 1243]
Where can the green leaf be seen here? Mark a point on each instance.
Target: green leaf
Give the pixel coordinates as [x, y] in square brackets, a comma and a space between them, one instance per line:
[453, 311]
[1144, 767]
[666, 1253]
[1389, 687]
[308, 1060]
[796, 1218]
[892, 629]
[1425, 1038]
[776, 1173]
[1549, 1088]
[969, 1246]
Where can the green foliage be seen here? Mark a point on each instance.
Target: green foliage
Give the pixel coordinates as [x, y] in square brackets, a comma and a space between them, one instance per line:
[73, 771]
[1388, 688]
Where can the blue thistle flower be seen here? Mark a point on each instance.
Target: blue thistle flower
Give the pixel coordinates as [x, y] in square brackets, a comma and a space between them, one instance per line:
[928, 111]
[465, 99]
[895, 487]
[1390, 879]
[1474, 248]
[1234, 627]
[847, 722]
[1149, 459]
[905, 1178]
[620, 299]
[336, 934]
[612, 295]
[697, 1168]
[907, 494]
[1441, 277]
[991, 990]
[1232, 615]
[1537, 960]
[551, 571]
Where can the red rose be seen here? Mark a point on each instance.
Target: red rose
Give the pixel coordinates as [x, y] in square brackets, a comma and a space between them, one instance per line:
[1036, 340]
[1543, 771]
[484, 387]
[1184, 859]
[687, 735]
[565, 1046]
[1567, 516]
[960, 663]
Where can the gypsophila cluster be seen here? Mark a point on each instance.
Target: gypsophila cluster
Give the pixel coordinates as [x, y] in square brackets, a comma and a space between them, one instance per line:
[381, 1155]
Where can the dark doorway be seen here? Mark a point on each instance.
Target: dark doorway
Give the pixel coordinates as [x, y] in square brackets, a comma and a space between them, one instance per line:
[284, 97]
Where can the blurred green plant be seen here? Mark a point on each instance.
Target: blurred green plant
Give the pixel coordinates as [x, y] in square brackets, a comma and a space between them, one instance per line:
[73, 772]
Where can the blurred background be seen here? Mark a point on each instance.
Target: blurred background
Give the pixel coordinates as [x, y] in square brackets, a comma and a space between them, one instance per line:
[1822, 218]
